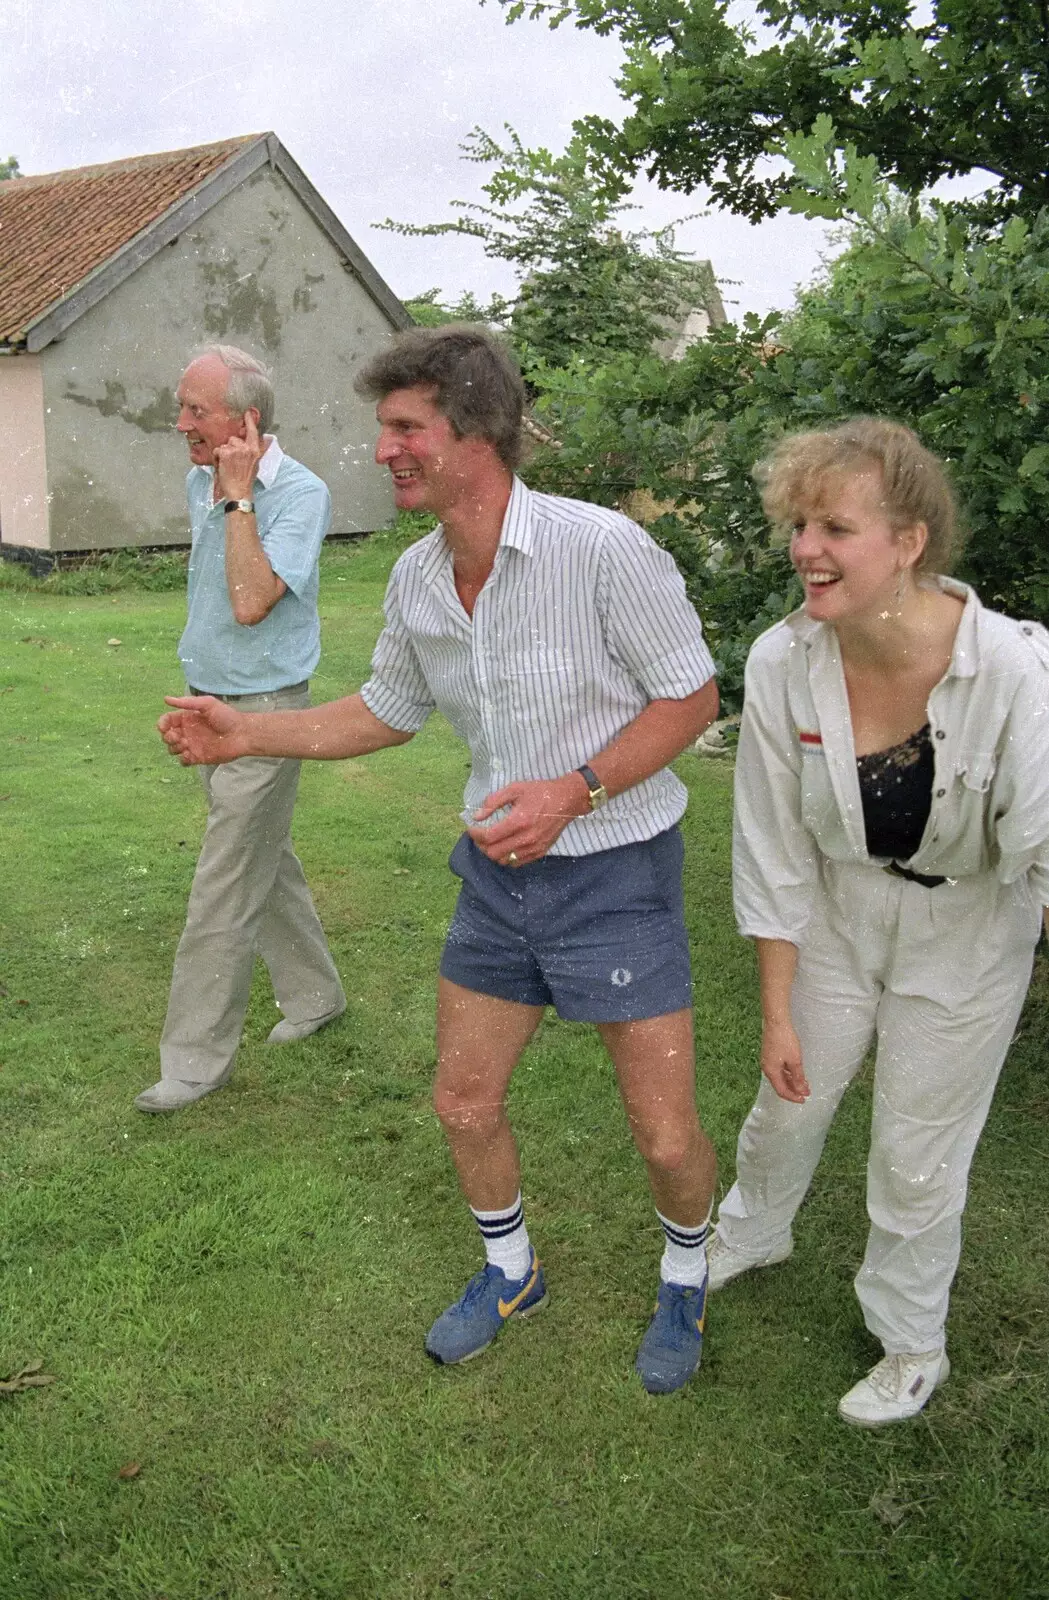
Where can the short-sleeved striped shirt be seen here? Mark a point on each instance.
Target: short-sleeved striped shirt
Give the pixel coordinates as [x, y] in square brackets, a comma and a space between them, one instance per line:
[582, 622]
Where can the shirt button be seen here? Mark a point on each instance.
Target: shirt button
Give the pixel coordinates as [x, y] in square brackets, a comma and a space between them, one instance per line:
[940, 734]
[940, 793]
[1026, 630]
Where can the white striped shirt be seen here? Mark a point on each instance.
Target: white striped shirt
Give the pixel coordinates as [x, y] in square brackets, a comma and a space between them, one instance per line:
[582, 622]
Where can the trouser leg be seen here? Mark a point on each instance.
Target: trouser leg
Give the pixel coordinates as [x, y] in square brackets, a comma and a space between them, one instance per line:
[249, 818]
[780, 1143]
[834, 1002]
[291, 942]
[937, 1068]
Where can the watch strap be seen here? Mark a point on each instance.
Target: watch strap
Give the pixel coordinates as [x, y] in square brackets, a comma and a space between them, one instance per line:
[598, 792]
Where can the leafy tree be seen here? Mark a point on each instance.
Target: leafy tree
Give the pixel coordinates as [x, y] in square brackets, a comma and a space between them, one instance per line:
[966, 91]
[588, 288]
[947, 326]
[430, 312]
[923, 317]
[9, 169]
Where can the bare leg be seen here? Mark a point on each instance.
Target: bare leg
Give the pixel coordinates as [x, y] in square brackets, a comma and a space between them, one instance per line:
[479, 1043]
[655, 1067]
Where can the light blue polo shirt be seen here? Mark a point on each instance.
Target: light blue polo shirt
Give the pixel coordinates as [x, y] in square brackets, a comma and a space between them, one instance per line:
[220, 655]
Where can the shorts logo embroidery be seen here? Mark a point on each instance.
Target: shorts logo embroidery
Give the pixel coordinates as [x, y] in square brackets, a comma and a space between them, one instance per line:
[621, 976]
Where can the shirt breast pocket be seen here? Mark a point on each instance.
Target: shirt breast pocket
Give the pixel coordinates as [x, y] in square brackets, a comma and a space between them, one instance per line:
[976, 771]
[539, 680]
[538, 661]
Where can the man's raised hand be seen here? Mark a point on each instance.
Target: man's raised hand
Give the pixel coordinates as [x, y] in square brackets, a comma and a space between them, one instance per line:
[236, 462]
[202, 731]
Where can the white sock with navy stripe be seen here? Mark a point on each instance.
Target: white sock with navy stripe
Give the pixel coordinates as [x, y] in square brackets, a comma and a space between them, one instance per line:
[685, 1254]
[506, 1239]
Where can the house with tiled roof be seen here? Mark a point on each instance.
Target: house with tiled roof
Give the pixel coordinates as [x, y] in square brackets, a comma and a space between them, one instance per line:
[111, 276]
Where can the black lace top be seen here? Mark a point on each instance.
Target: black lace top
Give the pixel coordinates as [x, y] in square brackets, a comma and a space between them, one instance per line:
[896, 790]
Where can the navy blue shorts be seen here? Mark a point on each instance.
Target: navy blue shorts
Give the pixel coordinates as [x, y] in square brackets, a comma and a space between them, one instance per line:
[602, 937]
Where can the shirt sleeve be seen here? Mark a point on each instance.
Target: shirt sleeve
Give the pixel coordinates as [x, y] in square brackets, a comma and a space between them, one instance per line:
[397, 691]
[774, 856]
[650, 624]
[292, 541]
[1020, 794]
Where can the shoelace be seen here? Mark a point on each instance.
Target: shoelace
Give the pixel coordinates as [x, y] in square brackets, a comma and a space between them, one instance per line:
[893, 1376]
[477, 1285]
[682, 1318]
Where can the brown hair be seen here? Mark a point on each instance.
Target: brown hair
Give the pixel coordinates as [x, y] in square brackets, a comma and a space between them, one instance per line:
[477, 384]
[915, 486]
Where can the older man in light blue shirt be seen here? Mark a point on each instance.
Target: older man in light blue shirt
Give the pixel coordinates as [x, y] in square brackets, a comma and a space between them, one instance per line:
[252, 638]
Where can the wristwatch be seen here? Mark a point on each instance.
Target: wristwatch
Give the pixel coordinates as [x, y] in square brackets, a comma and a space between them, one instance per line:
[598, 792]
[247, 506]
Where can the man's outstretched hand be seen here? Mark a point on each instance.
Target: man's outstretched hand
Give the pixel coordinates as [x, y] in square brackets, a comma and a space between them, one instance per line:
[202, 731]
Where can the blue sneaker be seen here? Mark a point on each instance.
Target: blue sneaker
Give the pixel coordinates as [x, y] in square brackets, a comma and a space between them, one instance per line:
[489, 1299]
[673, 1341]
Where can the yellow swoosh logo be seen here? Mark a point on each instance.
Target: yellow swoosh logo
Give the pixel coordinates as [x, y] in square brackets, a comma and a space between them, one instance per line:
[506, 1308]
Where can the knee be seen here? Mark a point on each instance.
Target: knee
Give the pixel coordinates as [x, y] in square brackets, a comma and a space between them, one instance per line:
[910, 1194]
[464, 1108]
[668, 1146]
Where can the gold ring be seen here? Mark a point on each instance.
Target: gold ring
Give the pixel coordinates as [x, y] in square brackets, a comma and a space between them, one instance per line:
[511, 859]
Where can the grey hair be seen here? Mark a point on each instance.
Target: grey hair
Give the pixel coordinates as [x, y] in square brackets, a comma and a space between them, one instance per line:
[249, 385]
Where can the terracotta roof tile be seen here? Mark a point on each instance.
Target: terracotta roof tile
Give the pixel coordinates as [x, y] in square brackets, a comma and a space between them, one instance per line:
[58, 227]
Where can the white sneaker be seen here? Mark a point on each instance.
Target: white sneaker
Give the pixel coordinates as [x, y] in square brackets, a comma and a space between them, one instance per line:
[724, 1263]
[895, 1389]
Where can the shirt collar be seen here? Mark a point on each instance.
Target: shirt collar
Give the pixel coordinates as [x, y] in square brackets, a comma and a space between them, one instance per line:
[516, 532]
[269, 463]
[517, 520]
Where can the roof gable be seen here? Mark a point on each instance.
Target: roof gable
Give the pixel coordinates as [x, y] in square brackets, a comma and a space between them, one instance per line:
[69, 238]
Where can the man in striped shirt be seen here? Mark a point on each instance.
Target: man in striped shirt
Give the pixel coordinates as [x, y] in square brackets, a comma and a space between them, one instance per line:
[557, 639]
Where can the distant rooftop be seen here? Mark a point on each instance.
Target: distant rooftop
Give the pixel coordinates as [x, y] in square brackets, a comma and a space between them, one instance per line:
[59, 227]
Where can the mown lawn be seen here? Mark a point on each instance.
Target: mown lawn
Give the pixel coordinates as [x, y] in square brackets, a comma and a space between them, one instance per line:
[233, 1300]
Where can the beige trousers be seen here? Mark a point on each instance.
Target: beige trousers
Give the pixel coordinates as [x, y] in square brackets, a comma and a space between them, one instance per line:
[249, 897]
[937, 978]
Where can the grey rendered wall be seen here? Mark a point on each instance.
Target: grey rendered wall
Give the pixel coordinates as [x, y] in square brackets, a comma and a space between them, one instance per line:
[255, 271]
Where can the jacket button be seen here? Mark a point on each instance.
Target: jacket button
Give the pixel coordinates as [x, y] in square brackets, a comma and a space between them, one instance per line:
[940, 734]
[1026, 630]
[940, 793]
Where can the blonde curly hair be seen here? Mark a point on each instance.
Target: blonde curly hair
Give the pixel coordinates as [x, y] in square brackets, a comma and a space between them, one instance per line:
[915, 487]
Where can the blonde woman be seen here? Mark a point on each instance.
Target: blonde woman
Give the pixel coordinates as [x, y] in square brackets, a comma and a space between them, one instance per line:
[891, 861]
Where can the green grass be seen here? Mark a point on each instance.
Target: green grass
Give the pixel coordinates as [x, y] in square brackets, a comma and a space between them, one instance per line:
[234, 1298]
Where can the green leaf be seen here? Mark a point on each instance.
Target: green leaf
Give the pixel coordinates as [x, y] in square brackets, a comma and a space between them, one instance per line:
[1035, 461]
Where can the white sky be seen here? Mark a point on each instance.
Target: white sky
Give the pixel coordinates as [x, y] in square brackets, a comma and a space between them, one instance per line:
[371, 97]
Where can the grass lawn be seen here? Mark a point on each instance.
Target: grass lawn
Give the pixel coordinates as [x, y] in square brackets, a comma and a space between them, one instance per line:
[233, 1299]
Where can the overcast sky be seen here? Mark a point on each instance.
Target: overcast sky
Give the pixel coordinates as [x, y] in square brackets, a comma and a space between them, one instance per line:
[371, 97]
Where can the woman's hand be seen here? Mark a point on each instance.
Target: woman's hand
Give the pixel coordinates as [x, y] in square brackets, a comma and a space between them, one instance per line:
[781, 1062]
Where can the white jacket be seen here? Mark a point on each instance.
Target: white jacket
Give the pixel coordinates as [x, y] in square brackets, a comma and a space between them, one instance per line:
[797, 790]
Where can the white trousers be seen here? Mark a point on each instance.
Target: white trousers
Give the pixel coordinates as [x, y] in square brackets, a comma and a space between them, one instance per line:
[937, 977]
[249, 897]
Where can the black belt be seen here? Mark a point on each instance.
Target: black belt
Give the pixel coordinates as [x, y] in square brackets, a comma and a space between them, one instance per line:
[251, 694]
[927, 880]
